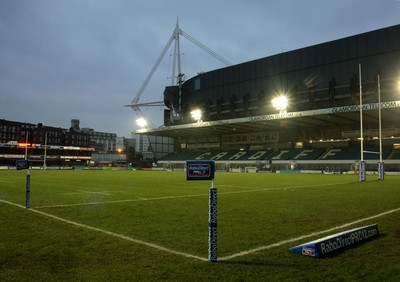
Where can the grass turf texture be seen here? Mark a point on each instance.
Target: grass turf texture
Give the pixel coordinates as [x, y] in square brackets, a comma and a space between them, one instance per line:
[162, 208]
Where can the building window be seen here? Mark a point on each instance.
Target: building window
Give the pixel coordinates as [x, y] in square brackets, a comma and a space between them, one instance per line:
[197, 84]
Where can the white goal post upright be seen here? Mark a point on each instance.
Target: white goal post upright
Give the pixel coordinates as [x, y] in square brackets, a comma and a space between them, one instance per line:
[361, 167]
[381, 170]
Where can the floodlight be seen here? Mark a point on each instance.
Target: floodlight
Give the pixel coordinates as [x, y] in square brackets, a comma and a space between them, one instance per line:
[141, 122]
[280, 103]
[196, 115]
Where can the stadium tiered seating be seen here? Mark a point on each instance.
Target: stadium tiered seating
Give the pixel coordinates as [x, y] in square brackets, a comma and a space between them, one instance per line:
[350, 153]
[284, 154]
[233, 155]
[180, 156]
[298, 154]
[371, 152]
[221, 155]
[396, 154]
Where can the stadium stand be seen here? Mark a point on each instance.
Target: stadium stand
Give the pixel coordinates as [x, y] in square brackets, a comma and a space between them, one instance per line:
[319, 127]
[371, 152]
[395, 155]
[338, 158]
[180, 156]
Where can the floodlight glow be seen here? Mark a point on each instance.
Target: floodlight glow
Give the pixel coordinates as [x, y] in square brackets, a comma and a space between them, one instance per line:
[141, 122]
[196, 115]
[280, 102]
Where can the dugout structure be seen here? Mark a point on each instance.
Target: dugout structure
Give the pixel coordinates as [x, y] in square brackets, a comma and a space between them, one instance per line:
[322, 85]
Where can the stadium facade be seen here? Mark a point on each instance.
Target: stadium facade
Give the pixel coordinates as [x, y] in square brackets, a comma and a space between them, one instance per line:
[324, 93]
[57, 147]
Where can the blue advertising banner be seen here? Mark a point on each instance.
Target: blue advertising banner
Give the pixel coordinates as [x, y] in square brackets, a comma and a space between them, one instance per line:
[200, 170]
[330, 244]
[22, 164]
[361, 171]
[381, 171]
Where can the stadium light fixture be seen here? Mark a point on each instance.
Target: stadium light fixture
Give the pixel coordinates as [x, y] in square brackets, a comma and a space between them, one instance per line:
[280, 103]
[196, 115]
[141, 122]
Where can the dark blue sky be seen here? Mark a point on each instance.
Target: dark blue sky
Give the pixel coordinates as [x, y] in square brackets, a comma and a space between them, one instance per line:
[85, 59]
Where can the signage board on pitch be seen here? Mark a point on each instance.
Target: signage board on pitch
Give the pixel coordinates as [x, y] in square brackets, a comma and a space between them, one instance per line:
[200, 170]
[22, 164]
[330, 244]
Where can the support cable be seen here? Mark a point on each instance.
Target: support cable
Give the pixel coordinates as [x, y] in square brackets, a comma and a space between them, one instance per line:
[206, 49]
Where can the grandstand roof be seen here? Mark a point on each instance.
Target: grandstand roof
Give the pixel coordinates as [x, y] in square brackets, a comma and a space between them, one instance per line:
[313, 118]
[322, 83]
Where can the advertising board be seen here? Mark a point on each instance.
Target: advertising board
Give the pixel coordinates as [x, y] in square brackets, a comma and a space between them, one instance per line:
[200, 170]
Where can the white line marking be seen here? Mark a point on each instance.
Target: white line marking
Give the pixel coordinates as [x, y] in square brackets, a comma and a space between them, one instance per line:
[282, 188]
[121, 201]
[94, 192]
[188, 196]
[160, 248]
[305, 236]
[120, 236]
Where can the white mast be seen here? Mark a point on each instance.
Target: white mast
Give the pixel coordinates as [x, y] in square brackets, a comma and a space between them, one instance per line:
[361, 169]
[381, 170]
[380, 118]
[177, 76]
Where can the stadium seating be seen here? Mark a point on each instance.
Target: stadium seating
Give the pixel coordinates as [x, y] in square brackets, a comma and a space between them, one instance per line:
[180, 156]
[298, 154]
[371, 152]
[396, 154]
[221, 155]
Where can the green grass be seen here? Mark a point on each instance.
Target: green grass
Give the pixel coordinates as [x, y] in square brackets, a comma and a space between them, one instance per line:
[162, 208]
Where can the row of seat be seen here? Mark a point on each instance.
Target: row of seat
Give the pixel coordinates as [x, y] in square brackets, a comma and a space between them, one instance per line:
[334, 153]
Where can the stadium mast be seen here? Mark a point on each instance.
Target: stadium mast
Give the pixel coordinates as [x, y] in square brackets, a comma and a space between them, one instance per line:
[177, 77]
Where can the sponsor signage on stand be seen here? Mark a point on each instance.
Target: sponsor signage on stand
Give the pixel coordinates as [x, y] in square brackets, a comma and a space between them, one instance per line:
[200, 170]
[329, 245]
